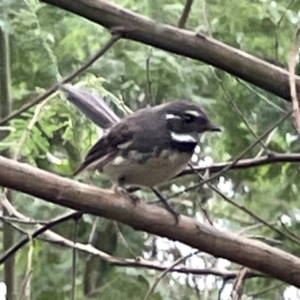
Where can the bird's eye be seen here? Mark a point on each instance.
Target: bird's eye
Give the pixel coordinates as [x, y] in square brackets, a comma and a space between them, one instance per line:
[188, 118]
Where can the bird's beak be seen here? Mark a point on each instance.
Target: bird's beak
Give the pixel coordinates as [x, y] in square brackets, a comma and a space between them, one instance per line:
[213, 127]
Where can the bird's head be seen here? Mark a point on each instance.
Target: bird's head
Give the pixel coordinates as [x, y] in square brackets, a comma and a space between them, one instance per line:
[186, 121]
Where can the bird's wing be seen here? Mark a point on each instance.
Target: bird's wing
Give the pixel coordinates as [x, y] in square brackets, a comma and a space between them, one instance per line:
[107, 147]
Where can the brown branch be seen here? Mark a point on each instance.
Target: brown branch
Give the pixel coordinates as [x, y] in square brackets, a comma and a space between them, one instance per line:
[290, 232]
[247, 163]
[148, 78]
[250, 213]
[183, 42]
[222, 289]
[292, 77]
[26, 280]
[74, 258]
[153, 219]
[185, 14]
[238, 286]
[162, 275]
[11, 251]
[139, 262]
[26, 222]
[115, 37]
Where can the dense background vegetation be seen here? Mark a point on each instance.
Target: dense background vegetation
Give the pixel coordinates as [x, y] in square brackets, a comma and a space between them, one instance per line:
[47, 43]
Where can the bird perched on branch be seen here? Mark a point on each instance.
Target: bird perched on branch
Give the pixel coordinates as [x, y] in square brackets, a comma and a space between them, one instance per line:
[148, 147]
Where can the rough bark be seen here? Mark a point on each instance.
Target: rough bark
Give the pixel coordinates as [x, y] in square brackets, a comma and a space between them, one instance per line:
[155, 220]
[183, 42]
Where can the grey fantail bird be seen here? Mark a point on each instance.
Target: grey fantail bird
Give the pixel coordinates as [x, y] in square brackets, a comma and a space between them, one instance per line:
[150, 146]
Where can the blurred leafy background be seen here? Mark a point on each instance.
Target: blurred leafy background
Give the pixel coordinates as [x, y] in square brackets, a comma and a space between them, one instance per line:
[48, 43]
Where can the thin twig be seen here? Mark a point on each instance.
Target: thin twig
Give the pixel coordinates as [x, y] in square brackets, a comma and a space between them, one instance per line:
[252, 145]
[206, 18]
[185, 14]
[114, 38]
[248, 163]
[264, 239]
[206, 214]
[253, 295]
[260, 95]
[74, 259]
[57, 239]
[174, 213]
[15, 220]
[288, 230]
[93, 231]
[36, 233]
[236, 108]
[249, 212]
[251, 227]
[222, 288]
[23, 286]
[162, 275]
[238, 286]
[125, 243]
[148, 76]
[278, 27]
[267, 142]
[29, 271]
[16, 227]
[292, 80]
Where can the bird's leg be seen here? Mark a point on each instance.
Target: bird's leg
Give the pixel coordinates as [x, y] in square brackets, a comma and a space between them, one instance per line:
[119, 190]
[166, 204]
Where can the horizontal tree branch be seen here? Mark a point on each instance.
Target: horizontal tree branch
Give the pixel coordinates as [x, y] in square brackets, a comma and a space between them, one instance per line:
[183, 42]
[139, 262]
[247, 163]
[14, 248]
[155, 220]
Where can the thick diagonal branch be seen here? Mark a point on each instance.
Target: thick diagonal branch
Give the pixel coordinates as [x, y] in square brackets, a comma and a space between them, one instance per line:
[183, 42]
[105, 203]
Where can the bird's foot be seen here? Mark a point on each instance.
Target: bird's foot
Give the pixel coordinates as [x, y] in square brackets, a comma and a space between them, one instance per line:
[124, 193]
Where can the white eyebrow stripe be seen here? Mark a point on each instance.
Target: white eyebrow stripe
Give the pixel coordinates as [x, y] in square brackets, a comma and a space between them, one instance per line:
[183, 138]
[193, 113]
[171, 116]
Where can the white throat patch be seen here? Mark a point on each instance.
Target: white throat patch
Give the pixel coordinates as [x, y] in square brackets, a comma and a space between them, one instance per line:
[183, 137]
